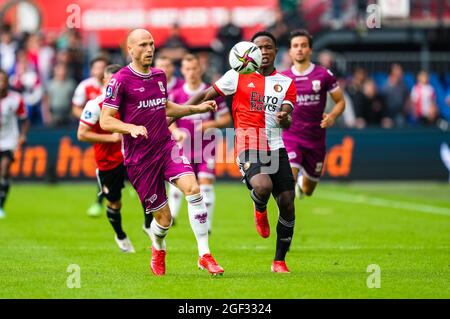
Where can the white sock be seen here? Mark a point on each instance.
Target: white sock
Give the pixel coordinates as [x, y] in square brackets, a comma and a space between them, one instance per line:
[198, 217]
[300, 180]
[158, 234]
[175, 196]
[209, 197]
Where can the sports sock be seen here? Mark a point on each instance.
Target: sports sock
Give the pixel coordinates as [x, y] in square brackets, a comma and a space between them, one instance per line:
[4, 189]
[100, 198]
[260, 204]
[285, 231]
[147, 219]
[300, 181]
[115, 218]
[198, 217]
[158, 235]
[209, 198]
[175, 196]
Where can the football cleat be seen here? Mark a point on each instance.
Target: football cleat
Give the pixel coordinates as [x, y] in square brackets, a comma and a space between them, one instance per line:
[95, 210]
[280, 266]
[124, 245]
[208, 262]
[262, 223]
[2, 213]
[158, 262]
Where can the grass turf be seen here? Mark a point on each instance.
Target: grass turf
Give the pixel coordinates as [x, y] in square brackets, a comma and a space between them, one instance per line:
[404, 228]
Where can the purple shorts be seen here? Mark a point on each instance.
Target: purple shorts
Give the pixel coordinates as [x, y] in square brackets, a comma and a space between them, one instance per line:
[149, 177]
[205, 169]
[308, 160]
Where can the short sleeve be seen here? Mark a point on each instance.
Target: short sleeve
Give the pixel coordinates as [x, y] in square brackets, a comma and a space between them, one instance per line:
[114, 93]
[91, 113]
[291, 95]
[22, 110]
[227, 84]
[79, 97]
[331, 82]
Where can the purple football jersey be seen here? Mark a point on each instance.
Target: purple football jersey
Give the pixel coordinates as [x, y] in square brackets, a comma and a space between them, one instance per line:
[181, 96]
[312, 86]
[141, 100]
[174, 84]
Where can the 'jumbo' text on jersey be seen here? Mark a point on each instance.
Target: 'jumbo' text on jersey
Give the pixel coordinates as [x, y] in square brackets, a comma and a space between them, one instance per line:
[12, 107]
[141, 100]
[256, 101]
[107, 155]
[312, 86]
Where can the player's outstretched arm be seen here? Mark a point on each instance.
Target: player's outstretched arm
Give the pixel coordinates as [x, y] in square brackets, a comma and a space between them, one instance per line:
[329, 118]
[86, 134]
[177, 111]
[109, 122]
[208, 94]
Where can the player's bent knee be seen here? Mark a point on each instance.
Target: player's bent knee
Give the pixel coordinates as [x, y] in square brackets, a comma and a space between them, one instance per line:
[115, 204]
[308, 191]
[165, 220]
[263, 189]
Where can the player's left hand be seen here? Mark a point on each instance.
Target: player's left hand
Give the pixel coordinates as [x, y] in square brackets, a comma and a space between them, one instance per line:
[283, 119]
[327, 120]
[22, 140]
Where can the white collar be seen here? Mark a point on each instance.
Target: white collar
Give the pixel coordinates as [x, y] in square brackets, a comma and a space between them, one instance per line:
[304, 73]
[139, 73]
[192, 92]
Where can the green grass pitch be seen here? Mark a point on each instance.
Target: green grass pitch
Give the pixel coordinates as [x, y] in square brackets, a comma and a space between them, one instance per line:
[404, 228]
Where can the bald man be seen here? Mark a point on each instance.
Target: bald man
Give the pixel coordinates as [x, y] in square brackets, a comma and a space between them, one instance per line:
[139, 94]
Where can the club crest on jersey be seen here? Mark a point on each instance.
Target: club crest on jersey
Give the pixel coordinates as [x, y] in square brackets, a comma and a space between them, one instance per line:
[316, 85]
[278, 88]
[161, 87]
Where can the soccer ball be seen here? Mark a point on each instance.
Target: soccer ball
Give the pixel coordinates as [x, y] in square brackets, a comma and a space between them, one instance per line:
[245, 57]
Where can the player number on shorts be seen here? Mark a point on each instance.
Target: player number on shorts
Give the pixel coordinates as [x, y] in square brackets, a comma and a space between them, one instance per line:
[319, 167]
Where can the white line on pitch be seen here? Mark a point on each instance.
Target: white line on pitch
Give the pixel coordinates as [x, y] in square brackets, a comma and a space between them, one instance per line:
[374, 201]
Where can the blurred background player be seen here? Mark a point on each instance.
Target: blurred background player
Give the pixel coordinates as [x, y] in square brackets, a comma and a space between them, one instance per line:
[12, 109]
[258, 116]
[87, 90]
[166, 64]
[139, 94]
[109, 159]
[305, 138]
[201, 155]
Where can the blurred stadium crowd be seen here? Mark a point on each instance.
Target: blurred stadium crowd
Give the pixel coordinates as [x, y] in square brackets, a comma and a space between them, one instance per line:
[46, 68]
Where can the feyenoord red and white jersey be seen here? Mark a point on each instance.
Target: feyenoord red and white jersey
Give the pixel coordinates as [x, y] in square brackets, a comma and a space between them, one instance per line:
[107, 155]
[12, 108]
[256, 101]
[87, 90]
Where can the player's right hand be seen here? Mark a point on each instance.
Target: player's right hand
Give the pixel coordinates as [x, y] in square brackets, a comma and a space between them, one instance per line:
[136, 131]
[207, 106]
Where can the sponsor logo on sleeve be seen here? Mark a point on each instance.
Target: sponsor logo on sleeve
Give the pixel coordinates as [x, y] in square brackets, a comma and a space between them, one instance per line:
[87, 115]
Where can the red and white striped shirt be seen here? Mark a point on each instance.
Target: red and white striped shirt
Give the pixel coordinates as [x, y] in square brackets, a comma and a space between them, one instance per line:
[423, 97]
[12, 108]
[256, 101]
